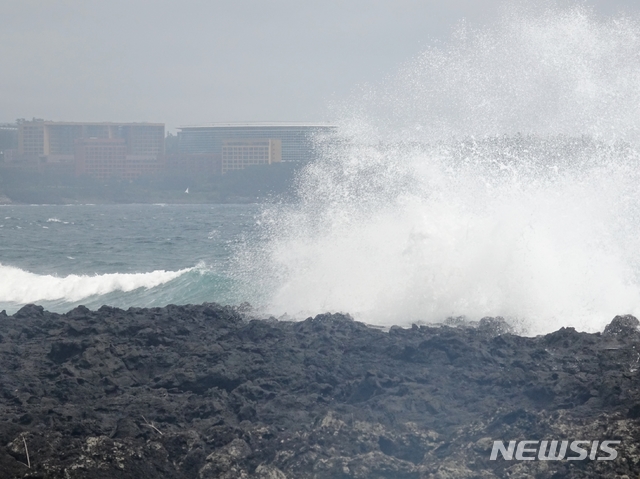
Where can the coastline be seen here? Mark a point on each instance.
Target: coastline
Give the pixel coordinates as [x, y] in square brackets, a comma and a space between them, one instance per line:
[204, 391]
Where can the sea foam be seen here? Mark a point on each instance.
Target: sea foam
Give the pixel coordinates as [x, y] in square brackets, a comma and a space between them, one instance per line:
[21, 287]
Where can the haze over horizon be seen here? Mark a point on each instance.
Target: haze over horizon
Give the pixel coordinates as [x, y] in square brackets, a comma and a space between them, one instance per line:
[201, 62]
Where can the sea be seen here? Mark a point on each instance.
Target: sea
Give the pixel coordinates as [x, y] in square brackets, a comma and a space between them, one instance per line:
[140, 255]
[494, 174]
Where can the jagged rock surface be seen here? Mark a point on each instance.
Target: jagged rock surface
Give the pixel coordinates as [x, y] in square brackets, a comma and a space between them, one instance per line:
[201, 392]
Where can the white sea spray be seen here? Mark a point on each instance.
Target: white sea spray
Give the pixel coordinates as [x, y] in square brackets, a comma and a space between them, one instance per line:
[496, 174]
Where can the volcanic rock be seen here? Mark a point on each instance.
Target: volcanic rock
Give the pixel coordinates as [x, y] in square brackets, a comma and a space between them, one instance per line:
[205, 392]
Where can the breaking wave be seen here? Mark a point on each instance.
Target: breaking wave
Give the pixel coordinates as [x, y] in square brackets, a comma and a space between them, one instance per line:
[495, 175]
[21, 287]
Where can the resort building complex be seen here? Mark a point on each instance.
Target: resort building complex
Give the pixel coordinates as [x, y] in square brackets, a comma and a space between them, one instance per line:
[131, 150]
[236, 146]
[103, 150]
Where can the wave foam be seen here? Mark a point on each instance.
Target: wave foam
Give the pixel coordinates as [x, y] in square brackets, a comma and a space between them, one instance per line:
[19, 286]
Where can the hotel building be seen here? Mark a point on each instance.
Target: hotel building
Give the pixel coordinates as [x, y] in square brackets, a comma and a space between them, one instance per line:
[239, 145]
[104, 150]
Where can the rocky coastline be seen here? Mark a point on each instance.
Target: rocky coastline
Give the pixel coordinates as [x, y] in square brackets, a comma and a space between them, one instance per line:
[207, 392]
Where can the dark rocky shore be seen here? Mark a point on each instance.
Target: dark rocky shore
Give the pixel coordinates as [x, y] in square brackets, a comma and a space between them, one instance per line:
[203, 392]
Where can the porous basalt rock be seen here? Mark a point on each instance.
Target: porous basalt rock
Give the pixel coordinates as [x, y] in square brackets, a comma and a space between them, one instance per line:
[203, 392]
[622, 325]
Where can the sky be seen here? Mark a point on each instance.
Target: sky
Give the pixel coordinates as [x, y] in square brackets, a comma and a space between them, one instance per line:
[197, 62]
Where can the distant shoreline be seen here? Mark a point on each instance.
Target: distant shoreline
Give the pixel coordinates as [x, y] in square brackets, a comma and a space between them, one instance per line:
[251, 185]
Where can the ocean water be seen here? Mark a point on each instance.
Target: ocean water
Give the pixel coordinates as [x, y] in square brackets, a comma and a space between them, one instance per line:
[120, 255]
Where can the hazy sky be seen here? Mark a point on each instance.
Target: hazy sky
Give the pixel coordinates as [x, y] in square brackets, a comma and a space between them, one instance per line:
[190, 62]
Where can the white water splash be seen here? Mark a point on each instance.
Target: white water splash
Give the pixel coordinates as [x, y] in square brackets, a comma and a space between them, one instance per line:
[495, 175]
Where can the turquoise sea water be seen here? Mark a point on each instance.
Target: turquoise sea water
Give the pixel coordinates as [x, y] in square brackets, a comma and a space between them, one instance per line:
[121, 255]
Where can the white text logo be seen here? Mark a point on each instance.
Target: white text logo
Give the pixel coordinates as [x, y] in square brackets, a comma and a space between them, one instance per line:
[555, 450]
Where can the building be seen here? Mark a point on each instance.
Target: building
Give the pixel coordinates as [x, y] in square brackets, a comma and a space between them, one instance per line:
[58, 144]
[8, 141]
[239, 154]
[239, 145]
[108, 158]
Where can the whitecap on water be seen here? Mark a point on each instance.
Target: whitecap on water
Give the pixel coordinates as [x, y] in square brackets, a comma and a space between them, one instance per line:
[19, 286]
